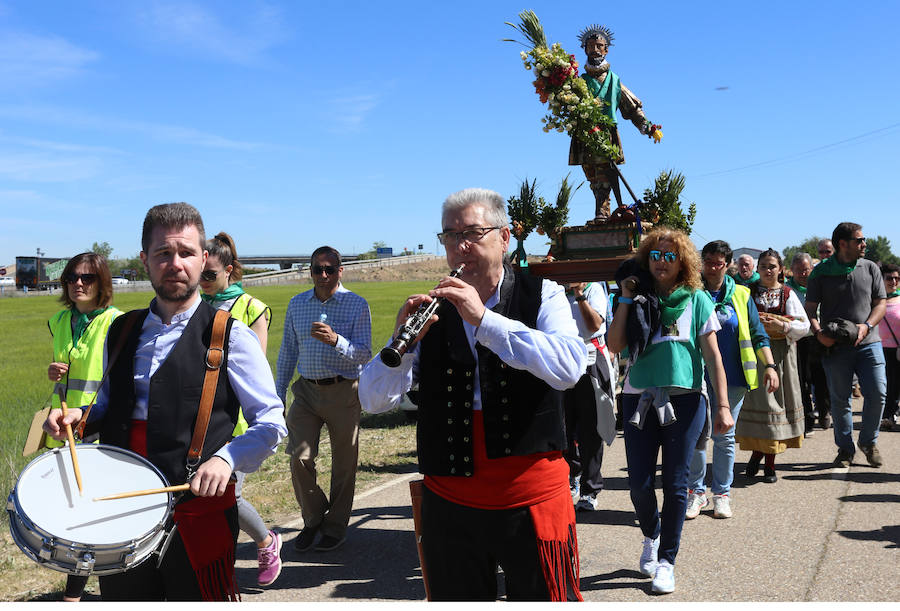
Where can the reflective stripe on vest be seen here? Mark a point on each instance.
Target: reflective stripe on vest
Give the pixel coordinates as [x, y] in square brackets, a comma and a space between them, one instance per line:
[739, 299]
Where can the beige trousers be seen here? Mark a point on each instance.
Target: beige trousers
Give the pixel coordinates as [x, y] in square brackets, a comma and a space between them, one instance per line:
[337, 407]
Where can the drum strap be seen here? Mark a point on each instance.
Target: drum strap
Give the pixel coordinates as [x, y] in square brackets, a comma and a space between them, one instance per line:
[215, 356]
[130, 318]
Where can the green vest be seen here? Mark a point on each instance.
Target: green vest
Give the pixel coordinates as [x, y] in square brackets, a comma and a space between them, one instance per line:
[247, 310]
[739, 299]
[85, 360]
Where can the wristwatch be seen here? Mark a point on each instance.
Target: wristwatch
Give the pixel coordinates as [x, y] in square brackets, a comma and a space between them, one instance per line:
[771, 366]
[581, 298]
[871, 326]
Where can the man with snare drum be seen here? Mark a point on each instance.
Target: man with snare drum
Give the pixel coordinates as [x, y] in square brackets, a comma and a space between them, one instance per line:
[149, 404]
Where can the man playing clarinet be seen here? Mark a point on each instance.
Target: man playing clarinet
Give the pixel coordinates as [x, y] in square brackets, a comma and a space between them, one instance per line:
[491, 367]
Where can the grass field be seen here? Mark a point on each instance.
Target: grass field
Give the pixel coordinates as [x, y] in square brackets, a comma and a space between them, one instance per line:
[387, 442]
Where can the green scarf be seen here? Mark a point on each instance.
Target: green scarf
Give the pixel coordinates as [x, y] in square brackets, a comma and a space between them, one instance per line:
[82, 321]
[725, 293]
[796, 286]
[233, 290]
[608, 91]
[894, 294]
[832, 267]
[748, 281]
[672, 306]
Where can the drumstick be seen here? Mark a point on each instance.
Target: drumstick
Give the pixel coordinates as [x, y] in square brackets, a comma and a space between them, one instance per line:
[71, 437]
[128, 495]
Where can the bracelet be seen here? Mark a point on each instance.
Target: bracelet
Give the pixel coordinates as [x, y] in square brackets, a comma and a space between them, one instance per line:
[771, 366]
[625, 300]
[581, 298]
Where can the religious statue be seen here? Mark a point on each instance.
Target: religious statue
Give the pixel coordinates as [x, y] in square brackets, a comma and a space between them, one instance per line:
[604, 84]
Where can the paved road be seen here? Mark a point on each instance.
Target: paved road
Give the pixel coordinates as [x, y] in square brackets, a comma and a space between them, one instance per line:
[818, 534]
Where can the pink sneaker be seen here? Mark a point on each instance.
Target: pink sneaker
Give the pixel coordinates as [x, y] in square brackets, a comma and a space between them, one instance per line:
[269, 561]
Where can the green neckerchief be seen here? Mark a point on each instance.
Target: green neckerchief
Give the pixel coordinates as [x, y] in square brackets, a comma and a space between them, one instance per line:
[725, 293]
[894, 294]
[672, 306]
[608, 91]
[796, 286]
[82, 321]
[832, 267]
[233, 290]
[754, 278]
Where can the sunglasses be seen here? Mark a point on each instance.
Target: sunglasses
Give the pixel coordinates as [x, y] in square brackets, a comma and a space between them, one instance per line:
[892, 278]
[328, 269]
[86, 279]
[858, 240]
[209, 275]
[669, 256]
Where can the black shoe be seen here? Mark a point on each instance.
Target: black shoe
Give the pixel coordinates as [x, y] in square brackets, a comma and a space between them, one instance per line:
[769, 475]
[752, 469]
[825, 421]
[304, 541]
[327, 543]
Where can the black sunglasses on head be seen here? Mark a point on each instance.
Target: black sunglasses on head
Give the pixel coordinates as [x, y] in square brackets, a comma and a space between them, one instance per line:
[86, 279]
[328, 269]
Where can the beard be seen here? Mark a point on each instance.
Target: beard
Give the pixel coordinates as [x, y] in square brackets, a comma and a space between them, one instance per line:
[177, 294]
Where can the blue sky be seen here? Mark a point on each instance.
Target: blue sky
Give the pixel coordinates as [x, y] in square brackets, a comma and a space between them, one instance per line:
[293, 124]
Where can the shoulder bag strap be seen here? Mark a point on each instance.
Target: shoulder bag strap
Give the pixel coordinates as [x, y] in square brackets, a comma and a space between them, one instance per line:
[215, 356]
[130, 318]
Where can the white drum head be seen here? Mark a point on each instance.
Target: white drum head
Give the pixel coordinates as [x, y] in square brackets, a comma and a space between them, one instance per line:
[47, 495]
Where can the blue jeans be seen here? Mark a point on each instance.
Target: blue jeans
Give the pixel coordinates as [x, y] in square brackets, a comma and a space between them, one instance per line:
[723, 448]
[867, 362]
[678, 441]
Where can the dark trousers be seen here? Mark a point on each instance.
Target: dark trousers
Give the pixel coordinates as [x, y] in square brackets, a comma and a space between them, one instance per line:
[803, 357]
[892, 371]
[816, 376]
[173, 580]
[678, 441]
[463, 547]
[584, 453]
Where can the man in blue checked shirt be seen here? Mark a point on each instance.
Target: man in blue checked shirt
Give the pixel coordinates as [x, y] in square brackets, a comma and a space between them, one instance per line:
[327, 338]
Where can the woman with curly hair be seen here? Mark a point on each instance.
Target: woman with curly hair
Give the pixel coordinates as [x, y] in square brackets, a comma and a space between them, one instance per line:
[770, 423]
[664, 400]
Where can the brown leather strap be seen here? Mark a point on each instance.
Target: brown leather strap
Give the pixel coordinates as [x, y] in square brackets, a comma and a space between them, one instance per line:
[215, 356]
[130, 318]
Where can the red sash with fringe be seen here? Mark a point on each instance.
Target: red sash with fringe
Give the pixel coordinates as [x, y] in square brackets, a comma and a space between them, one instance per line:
[204, 531]
[537, 481]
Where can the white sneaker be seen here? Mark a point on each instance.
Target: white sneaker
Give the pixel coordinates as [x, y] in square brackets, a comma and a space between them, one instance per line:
[664, 579]
[588, 502]
[574, 489]
[721, 506]
[648, 556]
[696, 502]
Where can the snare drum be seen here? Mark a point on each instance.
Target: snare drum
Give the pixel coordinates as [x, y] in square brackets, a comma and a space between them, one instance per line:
[66, 532]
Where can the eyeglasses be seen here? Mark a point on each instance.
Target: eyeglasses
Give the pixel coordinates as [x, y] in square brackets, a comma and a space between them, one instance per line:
[713, 264]
[328, 269]
[669, 256]
[209, 275]
[86, 279]
[473, 234]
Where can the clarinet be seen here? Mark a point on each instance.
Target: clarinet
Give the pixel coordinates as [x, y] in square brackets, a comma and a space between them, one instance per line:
[410, 330]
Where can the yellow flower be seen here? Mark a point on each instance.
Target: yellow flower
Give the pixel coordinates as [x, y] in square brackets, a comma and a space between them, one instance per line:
[657, 135]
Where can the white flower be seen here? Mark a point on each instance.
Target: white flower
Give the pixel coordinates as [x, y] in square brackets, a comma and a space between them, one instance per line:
[545, 73]
[567, 87]
[523, 54]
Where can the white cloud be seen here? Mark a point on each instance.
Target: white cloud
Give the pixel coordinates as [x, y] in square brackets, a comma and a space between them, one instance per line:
[194, 27]
[28, 60]
[37, 167]
[156, 131]
[348, 112]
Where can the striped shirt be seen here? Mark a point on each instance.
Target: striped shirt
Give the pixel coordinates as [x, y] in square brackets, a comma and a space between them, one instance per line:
[345, 312]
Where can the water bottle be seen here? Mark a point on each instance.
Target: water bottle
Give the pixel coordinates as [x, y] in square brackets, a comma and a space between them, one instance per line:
[323, 317]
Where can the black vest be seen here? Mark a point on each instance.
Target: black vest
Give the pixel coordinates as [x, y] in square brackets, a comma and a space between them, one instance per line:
[175, 390]
[522, 414]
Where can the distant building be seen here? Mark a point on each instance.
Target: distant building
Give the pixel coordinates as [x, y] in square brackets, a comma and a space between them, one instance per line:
[753, 252]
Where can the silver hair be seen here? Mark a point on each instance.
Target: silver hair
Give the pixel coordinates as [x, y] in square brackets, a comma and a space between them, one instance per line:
[493, 202]
[596, 31]
[801, 256]
[745, 255]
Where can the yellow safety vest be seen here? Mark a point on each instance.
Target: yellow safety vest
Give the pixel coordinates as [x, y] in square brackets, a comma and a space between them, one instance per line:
[247, 310]
[85, 360]
[739, 299]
